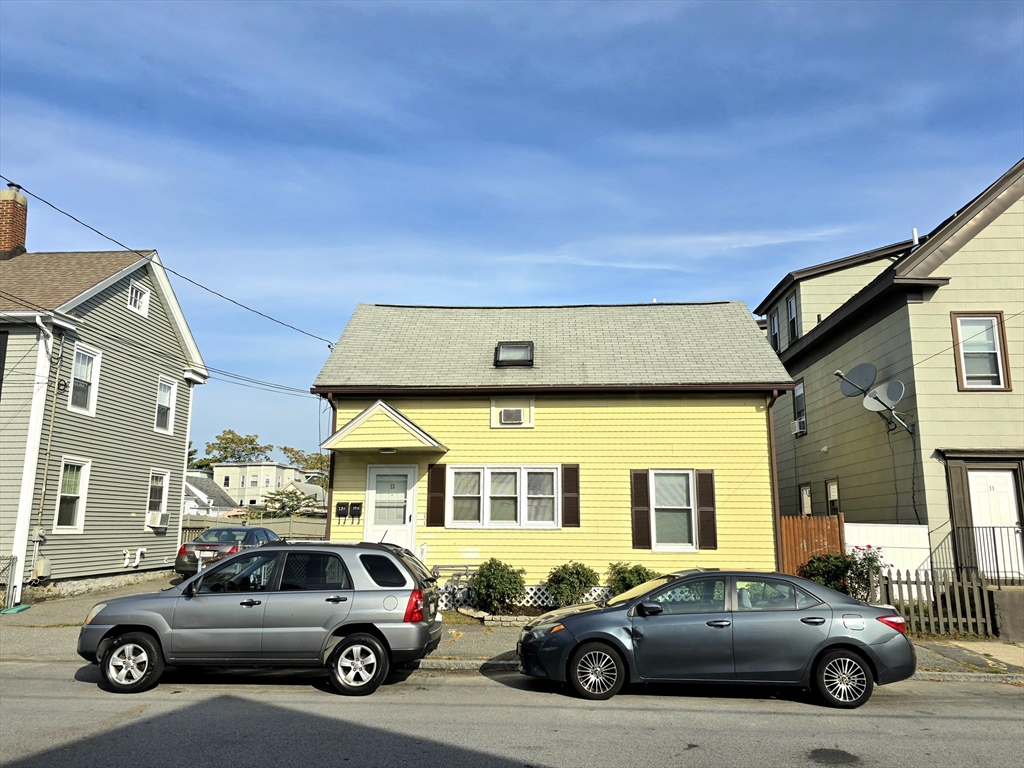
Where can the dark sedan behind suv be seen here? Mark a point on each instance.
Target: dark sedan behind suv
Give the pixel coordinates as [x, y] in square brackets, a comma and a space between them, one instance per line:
[357, 609]
[214, 544]
[722, 627]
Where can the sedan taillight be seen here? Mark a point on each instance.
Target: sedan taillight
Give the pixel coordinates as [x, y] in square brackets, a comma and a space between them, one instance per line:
[233, 550]
[894, 622]
[181, 552]
[414, 610]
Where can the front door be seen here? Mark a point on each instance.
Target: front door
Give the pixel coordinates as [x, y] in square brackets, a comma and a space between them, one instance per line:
[997, 530]
[691, 639]
[391, 505]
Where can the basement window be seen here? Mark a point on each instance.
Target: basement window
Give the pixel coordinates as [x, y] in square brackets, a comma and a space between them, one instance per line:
[508, 353]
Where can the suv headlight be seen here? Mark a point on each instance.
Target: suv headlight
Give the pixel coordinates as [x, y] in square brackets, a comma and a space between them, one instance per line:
[94, 612]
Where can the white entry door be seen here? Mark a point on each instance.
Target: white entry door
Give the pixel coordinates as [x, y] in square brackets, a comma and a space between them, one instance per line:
[391, 505]
[997, 534]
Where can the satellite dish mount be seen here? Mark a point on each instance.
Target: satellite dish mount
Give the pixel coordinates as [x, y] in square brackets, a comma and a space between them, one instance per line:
[881, 400]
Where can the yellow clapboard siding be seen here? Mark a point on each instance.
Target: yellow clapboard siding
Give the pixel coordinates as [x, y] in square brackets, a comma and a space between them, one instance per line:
[607, 436]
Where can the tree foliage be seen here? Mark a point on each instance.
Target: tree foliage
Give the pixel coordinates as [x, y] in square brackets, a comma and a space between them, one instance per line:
[290, 501]
[308, 462]
[231, 447]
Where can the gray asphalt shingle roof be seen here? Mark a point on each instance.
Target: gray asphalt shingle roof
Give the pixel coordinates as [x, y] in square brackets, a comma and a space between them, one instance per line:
[592, 345]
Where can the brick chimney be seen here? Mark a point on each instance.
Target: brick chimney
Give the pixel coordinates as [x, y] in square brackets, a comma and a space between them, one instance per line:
[13, 221]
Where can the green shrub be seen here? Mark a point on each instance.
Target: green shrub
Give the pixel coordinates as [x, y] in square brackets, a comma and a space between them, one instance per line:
[570, 583]
[850, 574]
[497, 586]
[622, 577]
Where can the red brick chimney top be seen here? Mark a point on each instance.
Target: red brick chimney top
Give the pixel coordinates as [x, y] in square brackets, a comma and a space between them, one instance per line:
[13, 221]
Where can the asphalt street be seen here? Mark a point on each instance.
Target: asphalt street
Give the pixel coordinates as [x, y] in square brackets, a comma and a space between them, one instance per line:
[54, 713]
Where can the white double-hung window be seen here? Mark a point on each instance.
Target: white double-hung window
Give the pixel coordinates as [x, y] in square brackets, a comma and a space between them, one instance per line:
[138, 298]
[503, 497]
[981, 351]
[74, 482]
[85, 379]
[673, 520]
[165, 395]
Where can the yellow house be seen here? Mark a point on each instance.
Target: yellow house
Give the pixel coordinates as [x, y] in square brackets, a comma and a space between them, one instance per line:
[539, 435]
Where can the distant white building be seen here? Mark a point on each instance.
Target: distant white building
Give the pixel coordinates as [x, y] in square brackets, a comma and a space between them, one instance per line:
[248, 484]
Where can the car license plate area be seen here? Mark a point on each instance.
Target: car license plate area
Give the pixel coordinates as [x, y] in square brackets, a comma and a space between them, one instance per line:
[205, 555]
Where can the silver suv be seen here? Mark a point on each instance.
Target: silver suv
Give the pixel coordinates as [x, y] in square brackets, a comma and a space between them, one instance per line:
[357, 609]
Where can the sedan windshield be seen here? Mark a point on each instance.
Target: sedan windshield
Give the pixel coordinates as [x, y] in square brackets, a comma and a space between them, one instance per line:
[642, 589]
[220, 536]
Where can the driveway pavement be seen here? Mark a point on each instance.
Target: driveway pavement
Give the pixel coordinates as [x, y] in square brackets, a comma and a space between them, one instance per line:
[49, 630]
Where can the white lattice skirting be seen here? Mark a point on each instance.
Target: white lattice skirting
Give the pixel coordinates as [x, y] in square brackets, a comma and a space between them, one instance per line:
[536, 597]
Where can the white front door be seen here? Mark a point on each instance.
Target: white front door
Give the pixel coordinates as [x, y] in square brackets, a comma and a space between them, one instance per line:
[997, 532]
[391, 505]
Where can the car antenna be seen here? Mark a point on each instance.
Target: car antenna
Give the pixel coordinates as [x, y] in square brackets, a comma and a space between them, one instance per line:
[383, 537]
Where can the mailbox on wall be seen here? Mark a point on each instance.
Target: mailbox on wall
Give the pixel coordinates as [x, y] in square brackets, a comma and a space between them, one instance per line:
[356, 509]
[341, 509]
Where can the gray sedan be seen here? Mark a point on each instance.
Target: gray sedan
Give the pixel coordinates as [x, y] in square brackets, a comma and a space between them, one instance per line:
[720, 627]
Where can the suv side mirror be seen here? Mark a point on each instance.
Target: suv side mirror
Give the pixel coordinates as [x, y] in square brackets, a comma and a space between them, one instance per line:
[650, 608]
[190, 589]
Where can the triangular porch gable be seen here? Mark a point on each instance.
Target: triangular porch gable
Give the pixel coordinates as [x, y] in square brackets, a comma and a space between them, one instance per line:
[380, 426]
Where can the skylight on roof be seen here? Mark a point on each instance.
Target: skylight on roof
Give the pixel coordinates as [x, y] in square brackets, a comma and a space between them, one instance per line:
[513, 353]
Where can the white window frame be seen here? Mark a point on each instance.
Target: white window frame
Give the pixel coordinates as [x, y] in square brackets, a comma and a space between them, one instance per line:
[997, 350]
[149, 482]
[792, 319]
[804, 493]
[227, 481]
[170, 415]
[774, 334]
[83, 489]
[254, 481]
[521, 497]
[655, 546]
[144, 293]
[94, 385]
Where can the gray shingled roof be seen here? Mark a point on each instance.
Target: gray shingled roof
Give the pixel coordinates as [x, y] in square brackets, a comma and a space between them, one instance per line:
[387, 346]
[212, 490]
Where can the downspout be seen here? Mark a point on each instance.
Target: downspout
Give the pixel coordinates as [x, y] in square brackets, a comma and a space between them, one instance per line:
[330, 473]
[49, 440]
[773, 471]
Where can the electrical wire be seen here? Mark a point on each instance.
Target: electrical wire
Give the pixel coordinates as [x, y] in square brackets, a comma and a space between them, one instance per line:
[330, 344]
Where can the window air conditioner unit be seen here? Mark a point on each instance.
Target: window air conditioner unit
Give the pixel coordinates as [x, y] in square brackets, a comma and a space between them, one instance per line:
[511, 415]
[798, 427]
[157, 519]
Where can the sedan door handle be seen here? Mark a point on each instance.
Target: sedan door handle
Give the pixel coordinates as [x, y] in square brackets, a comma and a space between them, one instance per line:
[719, 623]
[335, 599]
[250, 602]
[814, 621]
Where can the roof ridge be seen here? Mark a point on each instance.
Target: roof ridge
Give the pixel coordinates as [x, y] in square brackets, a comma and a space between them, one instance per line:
[558, 306]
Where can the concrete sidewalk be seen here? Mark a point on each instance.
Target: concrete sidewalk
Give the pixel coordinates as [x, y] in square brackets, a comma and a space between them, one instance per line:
[49, 630]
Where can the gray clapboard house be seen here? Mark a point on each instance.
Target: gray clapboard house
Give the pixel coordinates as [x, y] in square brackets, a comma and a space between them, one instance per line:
[99, 368]
[944, 317]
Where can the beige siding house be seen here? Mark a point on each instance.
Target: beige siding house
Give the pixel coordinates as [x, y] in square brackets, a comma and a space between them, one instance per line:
[248, 484]
[945, 318]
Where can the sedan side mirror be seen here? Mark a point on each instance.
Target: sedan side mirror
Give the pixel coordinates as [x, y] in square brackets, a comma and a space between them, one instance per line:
[650, 608]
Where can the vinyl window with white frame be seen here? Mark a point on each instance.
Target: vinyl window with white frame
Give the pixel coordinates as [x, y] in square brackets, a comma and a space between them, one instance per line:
[85, 379]
[69, 517]
[138, 298]
[166, 393]
[158, 482]
[673, 513]
[503, 497]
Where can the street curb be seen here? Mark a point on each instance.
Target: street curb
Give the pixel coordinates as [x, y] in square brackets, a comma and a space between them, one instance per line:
[967, 677]
[469, 664]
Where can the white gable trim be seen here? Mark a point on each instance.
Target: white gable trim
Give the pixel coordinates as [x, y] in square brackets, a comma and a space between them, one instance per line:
[395, 414]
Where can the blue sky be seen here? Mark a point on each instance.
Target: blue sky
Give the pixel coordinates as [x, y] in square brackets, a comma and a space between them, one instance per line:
[303, 157]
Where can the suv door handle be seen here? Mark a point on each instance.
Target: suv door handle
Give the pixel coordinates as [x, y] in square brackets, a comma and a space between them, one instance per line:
[335, 599]
[814, 621]
[250, 602]
[719, 623]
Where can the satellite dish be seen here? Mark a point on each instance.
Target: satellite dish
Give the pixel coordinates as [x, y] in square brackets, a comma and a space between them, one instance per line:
[859, 380]
[884, 397]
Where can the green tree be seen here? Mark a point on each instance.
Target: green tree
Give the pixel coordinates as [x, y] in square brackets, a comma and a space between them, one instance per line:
[309, 462]
[192, 453]
[290, 501]
[231, 447]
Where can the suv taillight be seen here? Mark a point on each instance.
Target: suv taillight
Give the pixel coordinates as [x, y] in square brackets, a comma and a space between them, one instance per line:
[181, 552]
[414, 610]
[894, 622]
[234, 550]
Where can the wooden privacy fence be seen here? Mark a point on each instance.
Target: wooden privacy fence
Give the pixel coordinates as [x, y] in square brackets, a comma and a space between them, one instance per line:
[936, 603]
[804, 536]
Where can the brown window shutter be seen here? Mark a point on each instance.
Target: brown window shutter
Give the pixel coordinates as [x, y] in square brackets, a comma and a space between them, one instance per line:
[707, 525]
[436, 477]
[640, 499]
[570, 495]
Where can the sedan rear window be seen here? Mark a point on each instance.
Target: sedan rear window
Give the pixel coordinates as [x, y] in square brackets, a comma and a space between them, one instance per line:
[221, 535]
[383, 571]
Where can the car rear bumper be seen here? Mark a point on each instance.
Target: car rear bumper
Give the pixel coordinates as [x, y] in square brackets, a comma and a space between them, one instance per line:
[896, 659]
[411, 642]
